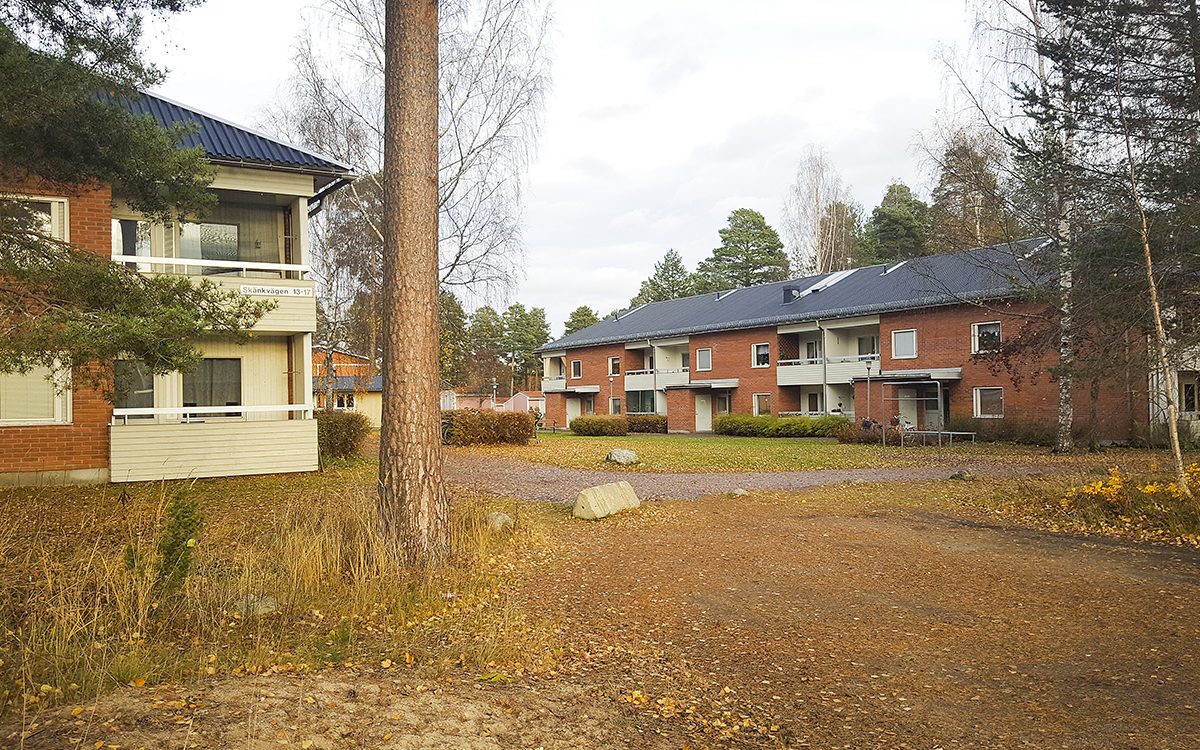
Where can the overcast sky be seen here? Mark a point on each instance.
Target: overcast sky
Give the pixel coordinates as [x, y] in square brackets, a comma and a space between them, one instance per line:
[663, 118]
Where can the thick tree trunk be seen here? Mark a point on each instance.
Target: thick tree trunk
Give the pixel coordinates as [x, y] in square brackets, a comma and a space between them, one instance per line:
[412, 502]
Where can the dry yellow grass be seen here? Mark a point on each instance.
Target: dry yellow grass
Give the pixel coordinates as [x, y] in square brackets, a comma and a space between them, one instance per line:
[77, 619]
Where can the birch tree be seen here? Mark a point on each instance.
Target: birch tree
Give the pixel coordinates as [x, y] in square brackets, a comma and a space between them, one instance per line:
[819, 217]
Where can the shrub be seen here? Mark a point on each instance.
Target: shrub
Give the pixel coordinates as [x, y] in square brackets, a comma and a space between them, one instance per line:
[488, 427]
[606, 424]
[647, 423]
[1007, 430]
[848, 432]
[749, 426]
[340, 434]
[176, 541]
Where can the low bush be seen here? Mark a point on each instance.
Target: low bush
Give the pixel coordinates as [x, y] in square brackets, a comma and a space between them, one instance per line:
[648, 423]
[607, 424]
[488, 427]
[340, 434]
[763, 426]
[1008, 430]
[850, 432]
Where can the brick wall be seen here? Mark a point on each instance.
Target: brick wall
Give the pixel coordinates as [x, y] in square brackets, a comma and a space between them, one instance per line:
[343, 364]
[732, 356]
[83, 444]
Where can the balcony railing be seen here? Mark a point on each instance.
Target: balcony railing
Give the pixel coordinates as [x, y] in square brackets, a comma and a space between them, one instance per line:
[831, 360]
[554, 377]
[856, 358]
[241, 267]
[639, 372]
[790, 362]
[189, 413]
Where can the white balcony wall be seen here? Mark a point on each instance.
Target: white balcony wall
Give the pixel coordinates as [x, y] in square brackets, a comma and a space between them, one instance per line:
[643, 382]
[554, 385]
[151, 452]
[812, 374]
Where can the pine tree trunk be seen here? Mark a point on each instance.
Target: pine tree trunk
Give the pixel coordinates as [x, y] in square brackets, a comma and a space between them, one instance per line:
[412, 501]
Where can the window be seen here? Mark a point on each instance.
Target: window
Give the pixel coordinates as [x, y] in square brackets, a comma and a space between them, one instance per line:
[989, 403]
[577, 368]
[685, 360]
[46, 216]
[762, 355]
[985, 337]
[704, 359]
[762, 404]
[345, 401]
[814, 402]
[1189, 391]
[131, 237]
[812, 350]
[134, 385]
[904, 344]
[235, 231]
[639, 402]
[614, 365]
[215, 382]
[868, 347]
[589, 404]
[721, 403]
[614, 406]
[35, 397]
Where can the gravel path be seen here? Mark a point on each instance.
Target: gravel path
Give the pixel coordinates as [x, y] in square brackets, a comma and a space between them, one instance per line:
[530, 481]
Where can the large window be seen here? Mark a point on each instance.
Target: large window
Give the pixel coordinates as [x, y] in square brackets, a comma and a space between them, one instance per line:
[704, 359]
[614, 405]
[868, 347]
[761, 355]
[215, 382]
[989, 403]
[589, 404]
[762, 404]
[904, 344]
[985, 337]
[45, 216]
[721, 403]
[639, 402]
[134, 385]
[234, 231]
[35, 397]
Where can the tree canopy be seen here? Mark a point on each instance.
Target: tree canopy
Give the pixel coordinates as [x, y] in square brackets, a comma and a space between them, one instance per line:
[898, 228]
[65, 62]
[750, 253]
[670, 280]
[581, 317]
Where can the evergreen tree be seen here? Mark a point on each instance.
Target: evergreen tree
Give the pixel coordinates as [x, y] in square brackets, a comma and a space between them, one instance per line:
[898, 228]
[524, 331]
[452, 338]
[582, 317]
[750, 253]
[670, 280]
[485, 336]
[968, 209]
[54, 58]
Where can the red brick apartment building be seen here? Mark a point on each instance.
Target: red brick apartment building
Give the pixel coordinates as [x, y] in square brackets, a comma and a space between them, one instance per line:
[246, 409]
[908, 340]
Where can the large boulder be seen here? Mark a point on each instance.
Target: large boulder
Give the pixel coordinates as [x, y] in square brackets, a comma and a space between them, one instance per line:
[604, 500]
[622, 456]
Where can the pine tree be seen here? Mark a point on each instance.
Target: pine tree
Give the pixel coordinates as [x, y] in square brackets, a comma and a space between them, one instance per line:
[898, 228]
[670, 280]
[581, 317]
[750, 253]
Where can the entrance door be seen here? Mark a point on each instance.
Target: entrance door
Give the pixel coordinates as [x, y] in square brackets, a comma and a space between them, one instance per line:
[703, 412]
[907, 406]
[572, 409]
[933, 412]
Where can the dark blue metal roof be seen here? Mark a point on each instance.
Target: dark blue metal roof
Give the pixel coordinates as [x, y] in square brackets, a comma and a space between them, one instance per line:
[227, 143]
[979, 274]
[348, 383]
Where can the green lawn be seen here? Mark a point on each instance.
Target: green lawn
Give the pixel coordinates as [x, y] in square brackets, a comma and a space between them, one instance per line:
[681, 453]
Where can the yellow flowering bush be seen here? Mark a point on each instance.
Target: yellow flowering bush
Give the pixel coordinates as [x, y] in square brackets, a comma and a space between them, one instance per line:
[1153, 506]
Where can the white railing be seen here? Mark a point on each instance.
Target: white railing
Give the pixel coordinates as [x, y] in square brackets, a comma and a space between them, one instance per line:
[856, 358]
[188, 412]
[671, 370]
[234, 265]
[790, 362]
[554, 377]
[803, 413]
[639, 372]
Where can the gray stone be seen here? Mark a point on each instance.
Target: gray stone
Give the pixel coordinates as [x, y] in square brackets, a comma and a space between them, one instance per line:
[498, 521]
[253, 605]
[963, 474]
[604, 500]
[622, 456]
[739, 492]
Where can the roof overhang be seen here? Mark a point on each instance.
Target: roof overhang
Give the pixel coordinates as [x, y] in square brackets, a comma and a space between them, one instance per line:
[583, 389]
[935, 373]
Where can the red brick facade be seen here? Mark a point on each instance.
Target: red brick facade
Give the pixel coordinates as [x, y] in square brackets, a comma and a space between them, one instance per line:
[944, 341]
[83, 443]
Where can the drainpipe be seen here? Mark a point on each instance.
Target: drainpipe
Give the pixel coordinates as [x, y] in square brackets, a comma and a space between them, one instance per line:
[654, 376]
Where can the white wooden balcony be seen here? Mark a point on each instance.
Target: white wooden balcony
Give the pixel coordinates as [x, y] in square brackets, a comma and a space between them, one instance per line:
[555, 384]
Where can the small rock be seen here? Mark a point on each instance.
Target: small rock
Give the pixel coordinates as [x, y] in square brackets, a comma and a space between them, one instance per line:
[600, 502]
[253, 605]
[498, 521]
[964, 475]
[622, 456]
[739, 492]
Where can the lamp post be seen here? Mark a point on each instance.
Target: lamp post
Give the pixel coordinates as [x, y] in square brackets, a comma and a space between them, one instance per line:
[493, 394]
[610, 392]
